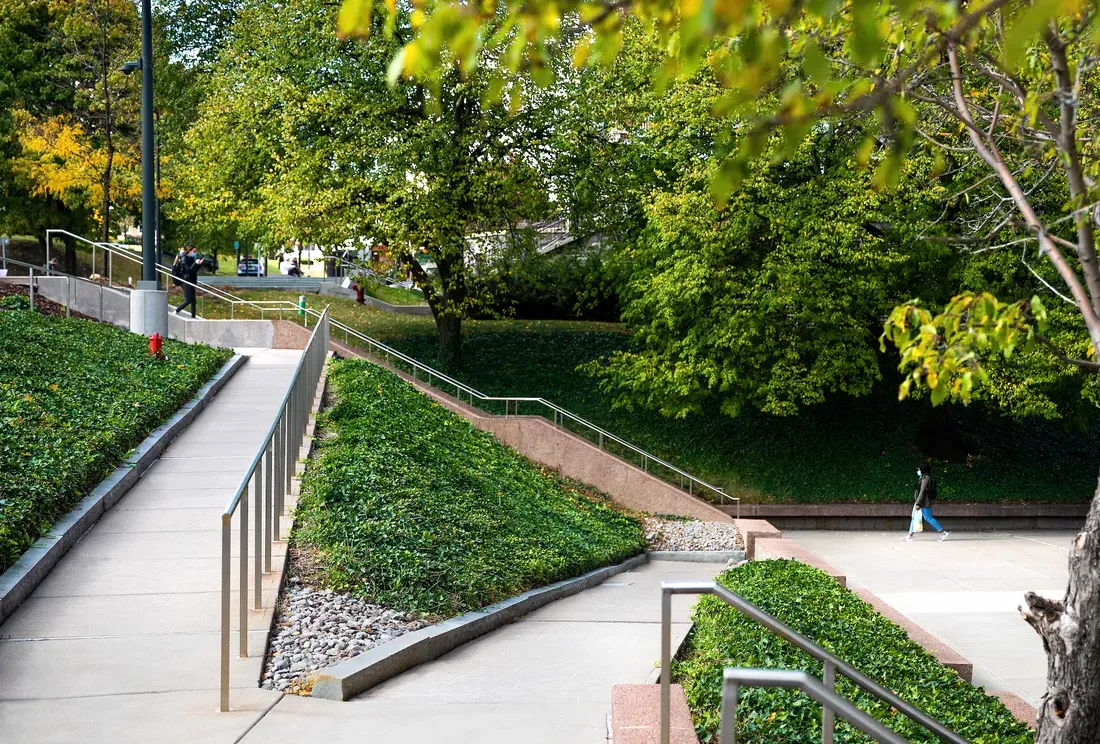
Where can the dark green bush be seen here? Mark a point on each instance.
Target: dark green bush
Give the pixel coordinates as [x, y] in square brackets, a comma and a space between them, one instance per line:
[571, 286]
[75, 397]
[816, 606]
[411, 506]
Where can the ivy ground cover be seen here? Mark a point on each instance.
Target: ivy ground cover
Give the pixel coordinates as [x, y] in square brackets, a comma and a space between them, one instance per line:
[845, 450]
[411, 507]
[75, 397]
[816, 606]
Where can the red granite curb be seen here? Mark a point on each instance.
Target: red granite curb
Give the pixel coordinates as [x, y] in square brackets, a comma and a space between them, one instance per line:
[636, 715]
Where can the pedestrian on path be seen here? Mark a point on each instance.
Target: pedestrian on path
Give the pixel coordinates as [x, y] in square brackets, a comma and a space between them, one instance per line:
[190, 266]
[923, 499]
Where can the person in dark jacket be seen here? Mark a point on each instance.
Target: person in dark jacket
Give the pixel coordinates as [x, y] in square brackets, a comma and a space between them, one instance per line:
[924, 497]
[189, 269]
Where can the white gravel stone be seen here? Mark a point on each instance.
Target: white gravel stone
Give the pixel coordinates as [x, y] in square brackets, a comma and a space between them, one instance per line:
[316, 629]
[669, 534]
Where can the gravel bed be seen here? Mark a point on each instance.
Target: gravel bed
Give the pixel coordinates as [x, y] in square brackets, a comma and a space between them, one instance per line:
[677, 535]
[316, 628]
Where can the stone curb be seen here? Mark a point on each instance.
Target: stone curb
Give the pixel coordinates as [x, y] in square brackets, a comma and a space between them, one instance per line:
[28, 572]
[349, 678]
[697, 556]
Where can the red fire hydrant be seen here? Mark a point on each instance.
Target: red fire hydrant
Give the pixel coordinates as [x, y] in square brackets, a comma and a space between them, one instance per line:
[156, 345]
[358, 293]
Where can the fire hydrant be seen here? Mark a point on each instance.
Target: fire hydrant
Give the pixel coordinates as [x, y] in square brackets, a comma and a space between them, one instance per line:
[358, 293]
[156, 346]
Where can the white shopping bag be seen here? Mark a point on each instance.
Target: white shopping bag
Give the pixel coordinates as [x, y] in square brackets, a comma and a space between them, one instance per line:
[916, 524]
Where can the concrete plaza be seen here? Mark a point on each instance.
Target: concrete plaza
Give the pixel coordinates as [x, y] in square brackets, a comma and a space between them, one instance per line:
[545, 679]
[964, 591]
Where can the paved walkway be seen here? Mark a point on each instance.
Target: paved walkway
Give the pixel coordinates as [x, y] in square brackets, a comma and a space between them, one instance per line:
[964, 591]
[545, 679]
[120, 643]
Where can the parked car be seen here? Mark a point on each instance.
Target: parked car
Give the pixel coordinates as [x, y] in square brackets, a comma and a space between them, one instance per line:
[251, 267]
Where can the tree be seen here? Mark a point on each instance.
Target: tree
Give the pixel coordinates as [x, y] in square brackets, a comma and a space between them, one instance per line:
[74, 119]
[303, 139]
[1003, 85]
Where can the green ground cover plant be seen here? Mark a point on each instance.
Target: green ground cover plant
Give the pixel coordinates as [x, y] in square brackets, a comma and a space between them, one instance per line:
[816, 606]
[75, 397]
[411, 506]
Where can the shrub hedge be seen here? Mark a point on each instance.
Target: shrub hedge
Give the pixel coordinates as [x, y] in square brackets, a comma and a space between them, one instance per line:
[818, 607]
[75, 397]
[411, 506]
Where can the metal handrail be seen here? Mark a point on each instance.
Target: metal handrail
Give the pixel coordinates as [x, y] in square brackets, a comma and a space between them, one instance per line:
[270, 473]
[123, 251]
[511, 403]
[685, 481]
[733, 679]
[831, 664]
[47, 271]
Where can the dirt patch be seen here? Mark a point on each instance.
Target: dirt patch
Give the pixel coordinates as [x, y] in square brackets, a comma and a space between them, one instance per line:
[41, 304]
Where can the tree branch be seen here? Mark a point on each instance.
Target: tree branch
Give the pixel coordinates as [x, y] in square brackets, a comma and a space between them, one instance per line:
[1065, 271]
[1085, 364]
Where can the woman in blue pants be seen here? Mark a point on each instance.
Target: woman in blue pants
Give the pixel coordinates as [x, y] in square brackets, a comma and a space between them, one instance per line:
[924, 497]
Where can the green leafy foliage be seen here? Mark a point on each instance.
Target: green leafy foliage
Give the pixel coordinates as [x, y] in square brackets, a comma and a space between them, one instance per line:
[815, 605]
[411, 506]
[75, 397]
[943, 352]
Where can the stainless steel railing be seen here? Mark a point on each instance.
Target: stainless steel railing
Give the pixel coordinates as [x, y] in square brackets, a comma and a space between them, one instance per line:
[560, 416]
[46, 271]
[126, 253]
[831, 664]
[733, 679]
[270, 474]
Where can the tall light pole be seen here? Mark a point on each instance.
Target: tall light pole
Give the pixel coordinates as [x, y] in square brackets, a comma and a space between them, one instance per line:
[148, 171]
[148, 303]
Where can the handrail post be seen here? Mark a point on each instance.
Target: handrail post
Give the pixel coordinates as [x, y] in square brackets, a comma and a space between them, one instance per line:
[227, 542]
[30, 287]
[666, 661]
[727, 724]
[258, 492]
[242, 631]
[828, 677]
[272, 519]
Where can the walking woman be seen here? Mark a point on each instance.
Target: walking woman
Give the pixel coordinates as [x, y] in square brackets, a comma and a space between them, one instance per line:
[923, 499]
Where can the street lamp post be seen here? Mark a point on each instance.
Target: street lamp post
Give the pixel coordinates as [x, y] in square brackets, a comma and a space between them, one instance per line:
[148, 303]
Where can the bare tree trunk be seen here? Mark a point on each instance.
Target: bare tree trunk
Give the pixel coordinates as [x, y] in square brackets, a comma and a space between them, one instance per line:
[1071, 637]
[449, 326]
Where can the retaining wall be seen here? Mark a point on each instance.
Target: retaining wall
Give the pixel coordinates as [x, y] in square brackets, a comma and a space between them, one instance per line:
[879, 517]
[571, 455]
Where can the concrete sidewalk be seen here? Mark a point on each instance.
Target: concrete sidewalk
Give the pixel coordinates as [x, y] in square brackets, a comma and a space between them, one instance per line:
[120, 643]
[546, 679]
[964, 591]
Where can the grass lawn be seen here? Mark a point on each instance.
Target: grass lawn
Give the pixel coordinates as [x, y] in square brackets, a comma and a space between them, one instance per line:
[75, 397]
[413, 508]
[816, 606]
[848, 450]
[397, 295]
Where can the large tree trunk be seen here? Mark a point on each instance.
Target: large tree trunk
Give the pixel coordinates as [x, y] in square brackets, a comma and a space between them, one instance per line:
[1070, 711]
[449, 325]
